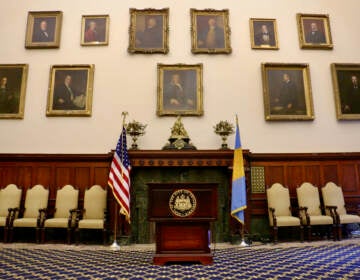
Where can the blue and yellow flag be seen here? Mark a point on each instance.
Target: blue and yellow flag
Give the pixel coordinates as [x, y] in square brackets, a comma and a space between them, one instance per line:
[238, 196]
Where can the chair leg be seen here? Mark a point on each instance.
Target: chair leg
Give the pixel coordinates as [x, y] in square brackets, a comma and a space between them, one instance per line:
[339, 229]
[301, 233]
[104, 236]
[69, 235]
[37, 235]
[11, 234]
[309, 233]
[6, 229]
[77, 236]
[334, 233]
[42, 235]
[275, 233]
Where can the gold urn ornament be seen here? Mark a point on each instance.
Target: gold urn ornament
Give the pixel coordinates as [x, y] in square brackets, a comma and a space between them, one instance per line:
[224, 129]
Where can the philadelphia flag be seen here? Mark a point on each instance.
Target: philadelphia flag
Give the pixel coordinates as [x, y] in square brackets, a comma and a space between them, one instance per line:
[238, 196]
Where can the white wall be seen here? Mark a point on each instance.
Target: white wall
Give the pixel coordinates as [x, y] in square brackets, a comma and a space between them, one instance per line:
[232, 83]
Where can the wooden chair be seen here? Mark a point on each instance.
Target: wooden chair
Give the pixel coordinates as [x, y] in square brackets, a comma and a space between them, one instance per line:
[335, 207]
[94, 214]
[10, 198]
[33, 214]
[279, 208]
[311, 213]
[64, 217]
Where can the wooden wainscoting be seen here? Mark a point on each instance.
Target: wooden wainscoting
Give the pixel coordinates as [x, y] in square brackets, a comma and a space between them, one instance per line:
[85, 170]
[317, 168]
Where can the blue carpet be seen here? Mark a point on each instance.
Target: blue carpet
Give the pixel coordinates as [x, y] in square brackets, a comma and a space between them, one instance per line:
[335, 261]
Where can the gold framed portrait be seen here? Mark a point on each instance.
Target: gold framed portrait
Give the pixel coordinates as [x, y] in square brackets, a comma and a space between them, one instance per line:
[43, 29]
[314, 31]
[180, 90]
[263, 34]
[95, 30]
[210, 31]
[149, 31]
[13, 78]
[346, 85]
[70, 90]
[287, 92]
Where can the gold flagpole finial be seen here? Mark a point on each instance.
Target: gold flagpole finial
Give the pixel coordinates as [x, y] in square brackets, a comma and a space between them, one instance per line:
[124, 114]
[237, 120]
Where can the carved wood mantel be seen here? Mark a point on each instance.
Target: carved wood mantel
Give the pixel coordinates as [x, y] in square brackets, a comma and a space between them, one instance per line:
[168, 165]
[174, 158]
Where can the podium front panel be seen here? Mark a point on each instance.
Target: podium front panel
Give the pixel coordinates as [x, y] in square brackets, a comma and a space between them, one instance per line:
[204, 196]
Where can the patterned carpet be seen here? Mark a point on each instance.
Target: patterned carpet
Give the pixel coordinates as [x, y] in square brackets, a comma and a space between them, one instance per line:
[330, 260]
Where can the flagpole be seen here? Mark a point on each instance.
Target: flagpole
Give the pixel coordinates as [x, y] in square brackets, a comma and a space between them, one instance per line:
[115, 246]
[243, 243]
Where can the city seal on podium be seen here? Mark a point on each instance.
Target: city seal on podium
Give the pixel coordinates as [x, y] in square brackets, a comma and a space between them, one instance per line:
[182, 203]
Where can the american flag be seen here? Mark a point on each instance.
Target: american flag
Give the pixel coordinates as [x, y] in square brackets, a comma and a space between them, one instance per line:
[119, 177]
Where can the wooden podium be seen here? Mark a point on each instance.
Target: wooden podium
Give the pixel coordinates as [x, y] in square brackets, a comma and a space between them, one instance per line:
[182, 213]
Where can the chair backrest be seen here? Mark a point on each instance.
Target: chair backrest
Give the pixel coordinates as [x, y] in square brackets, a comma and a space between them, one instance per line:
[95, 202]
[66, 199]
[333, 196]
[36, 198]
[308, 196]
[10, 197]
[278, 197]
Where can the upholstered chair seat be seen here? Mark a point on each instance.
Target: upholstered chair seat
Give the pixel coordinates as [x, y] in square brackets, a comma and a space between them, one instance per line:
[91, 223]
[10, 198]
[335, 206]
[286, 221]
[321, 220]
[36, 202]
[66, 205]
[280, 215]
[309, 202]
[93, 216]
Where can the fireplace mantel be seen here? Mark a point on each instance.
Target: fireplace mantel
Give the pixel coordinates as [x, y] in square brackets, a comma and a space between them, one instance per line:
[178, 158]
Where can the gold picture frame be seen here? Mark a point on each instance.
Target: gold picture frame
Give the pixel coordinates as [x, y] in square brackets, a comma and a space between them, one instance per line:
[210, 31]
[95, 30]
[314, 31]
[43, 29]
[70, 90]
[263, 34]
[13, 78]
[149, 31]
[346, 85]
[180, 90]
[287, 92]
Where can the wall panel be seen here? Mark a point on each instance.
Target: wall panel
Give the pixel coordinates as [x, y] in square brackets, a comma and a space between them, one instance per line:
[84, 170]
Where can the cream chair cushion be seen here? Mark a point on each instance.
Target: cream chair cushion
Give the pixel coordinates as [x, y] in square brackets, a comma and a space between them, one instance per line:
[66, 200]
[36, 198]
[278, 197]
[333, 196]
[308, 196]
[94, 206]
[10, 197]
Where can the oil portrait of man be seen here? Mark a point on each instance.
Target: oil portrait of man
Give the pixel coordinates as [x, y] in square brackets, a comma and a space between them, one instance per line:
[287, 92]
